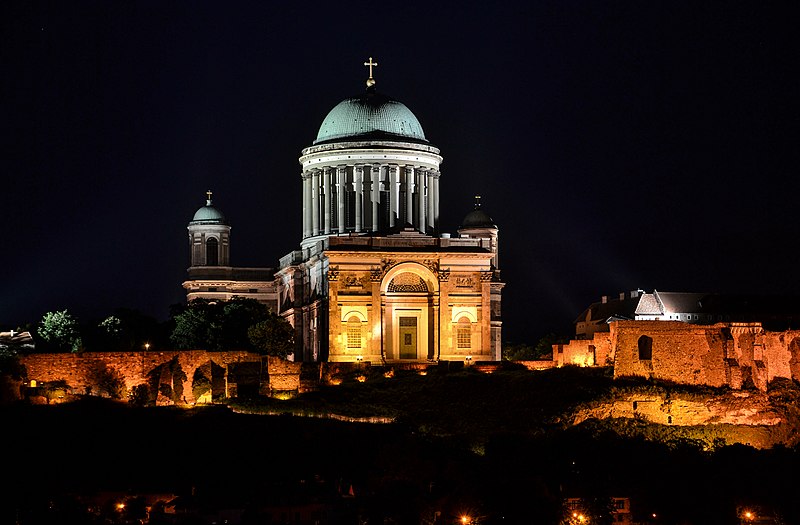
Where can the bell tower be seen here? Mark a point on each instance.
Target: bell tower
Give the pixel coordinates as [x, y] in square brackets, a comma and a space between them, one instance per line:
[209, 237]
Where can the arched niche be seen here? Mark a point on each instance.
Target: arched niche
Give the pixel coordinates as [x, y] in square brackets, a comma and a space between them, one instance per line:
[409, 304]
[405, 271]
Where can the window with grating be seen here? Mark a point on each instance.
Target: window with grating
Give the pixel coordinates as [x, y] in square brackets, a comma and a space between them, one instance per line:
[464, 333]
[354, 332]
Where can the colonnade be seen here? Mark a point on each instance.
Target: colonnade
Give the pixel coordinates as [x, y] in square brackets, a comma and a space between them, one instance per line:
[369, 197]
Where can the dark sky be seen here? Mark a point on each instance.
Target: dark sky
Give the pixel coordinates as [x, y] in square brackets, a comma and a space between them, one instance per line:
[617, 145]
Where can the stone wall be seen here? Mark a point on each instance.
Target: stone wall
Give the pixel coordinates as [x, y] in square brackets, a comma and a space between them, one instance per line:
[173, 377]
[283, 375]
[172, 374]
[746, 417]
[738, 355]
[585, 352]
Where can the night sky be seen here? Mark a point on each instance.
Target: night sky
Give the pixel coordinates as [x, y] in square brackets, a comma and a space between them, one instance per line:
[617, 145]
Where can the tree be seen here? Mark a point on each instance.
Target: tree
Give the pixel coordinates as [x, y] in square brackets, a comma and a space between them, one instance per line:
[217, 325]
[197, 326]
[60, 331]
[108, 380]
[274, 336]
[238, 315]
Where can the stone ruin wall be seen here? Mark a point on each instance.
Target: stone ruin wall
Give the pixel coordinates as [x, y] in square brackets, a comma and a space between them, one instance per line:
[734, 408]
[737, 355]
[79, 370]
[597, 351]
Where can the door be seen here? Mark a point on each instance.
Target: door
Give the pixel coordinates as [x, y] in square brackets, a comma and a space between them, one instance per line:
[408, 337]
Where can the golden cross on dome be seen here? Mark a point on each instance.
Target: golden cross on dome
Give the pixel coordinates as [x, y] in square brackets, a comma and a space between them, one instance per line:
[477, 201]
[370, 64]
[209, 195]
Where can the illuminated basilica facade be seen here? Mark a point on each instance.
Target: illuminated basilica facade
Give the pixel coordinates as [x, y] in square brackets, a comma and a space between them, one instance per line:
[374, 279]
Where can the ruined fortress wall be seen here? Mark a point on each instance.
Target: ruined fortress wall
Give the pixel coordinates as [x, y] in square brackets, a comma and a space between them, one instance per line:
[283, 375]
[585, 352]
[737, 355]
[781, 353]
[80, 370]
[733, 408]
[679, 352]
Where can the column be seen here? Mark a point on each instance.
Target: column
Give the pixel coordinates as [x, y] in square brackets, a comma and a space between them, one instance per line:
[315, 202]
[341, 181]
[326, 192]
[409, 218]
[358, 187]
[421, 173]
[436, 200]
[429, 184]
[394, 195]
[306, 204]
[376, 195]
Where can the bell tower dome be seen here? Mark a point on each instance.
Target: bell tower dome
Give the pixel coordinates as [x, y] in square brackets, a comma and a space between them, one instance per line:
[209, 236]
[478, 223]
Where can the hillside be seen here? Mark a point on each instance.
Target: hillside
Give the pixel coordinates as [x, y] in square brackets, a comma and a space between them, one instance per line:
[470, 406]
[500, 444]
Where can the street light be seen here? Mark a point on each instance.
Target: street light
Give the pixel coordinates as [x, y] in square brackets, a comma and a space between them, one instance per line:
[147, 346]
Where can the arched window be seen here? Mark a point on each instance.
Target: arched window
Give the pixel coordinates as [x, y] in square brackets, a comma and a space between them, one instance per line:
[464, 334]
[645, 348]
[407, 282]
[353, 332]
[212, 252]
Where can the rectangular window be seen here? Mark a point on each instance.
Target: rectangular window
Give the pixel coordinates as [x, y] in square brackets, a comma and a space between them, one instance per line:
[464, 337]
[354, 335]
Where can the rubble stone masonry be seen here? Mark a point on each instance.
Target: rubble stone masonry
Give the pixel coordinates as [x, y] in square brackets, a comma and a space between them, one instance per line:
[738, 355]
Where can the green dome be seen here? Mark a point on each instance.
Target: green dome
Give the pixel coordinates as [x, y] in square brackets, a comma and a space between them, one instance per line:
[208, 214]
[371, 115]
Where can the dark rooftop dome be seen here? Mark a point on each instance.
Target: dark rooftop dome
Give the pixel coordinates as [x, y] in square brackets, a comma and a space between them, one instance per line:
[477, 218]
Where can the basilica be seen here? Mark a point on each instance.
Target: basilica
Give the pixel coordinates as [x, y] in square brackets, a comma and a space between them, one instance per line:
[374, 279]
